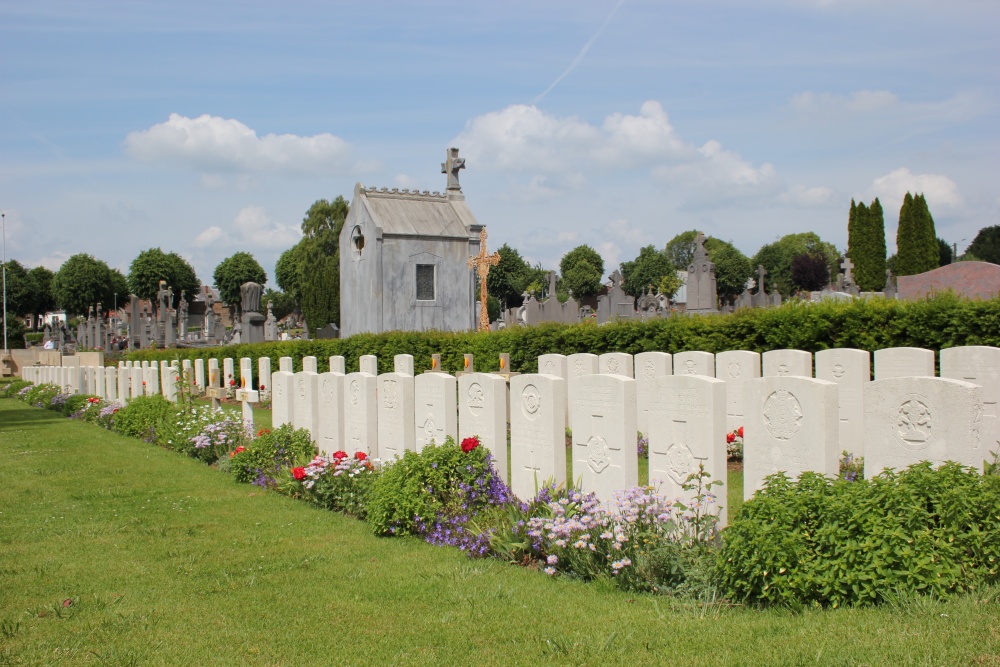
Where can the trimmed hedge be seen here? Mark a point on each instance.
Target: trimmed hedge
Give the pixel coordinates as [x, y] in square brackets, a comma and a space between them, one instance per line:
[867, 324]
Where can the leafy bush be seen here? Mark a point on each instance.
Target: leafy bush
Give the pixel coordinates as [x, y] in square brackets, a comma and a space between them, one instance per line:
[12, 388]
[200, 432]
[142, 415]
[339, 482]
[262, 459]
[432, 485]
[40, 395]
[833, 542]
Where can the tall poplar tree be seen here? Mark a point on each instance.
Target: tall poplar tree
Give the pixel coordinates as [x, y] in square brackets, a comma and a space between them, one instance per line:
[866, 246]
[916, 239]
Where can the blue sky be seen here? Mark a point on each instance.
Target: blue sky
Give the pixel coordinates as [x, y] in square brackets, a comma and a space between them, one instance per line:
[211, 127]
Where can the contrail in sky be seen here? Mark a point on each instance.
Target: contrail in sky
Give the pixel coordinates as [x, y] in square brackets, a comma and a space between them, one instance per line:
[579, 56]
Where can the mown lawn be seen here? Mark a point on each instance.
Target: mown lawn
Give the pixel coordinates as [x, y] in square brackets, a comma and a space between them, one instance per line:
[115, 552]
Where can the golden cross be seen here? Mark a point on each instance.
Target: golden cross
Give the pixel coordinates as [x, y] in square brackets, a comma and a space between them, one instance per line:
[482, 263]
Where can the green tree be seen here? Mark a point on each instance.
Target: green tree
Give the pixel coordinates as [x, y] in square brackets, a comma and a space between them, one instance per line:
[582, 270]
[944, 252]
[282, 303]
[986, 245]
[286, 273]
[777, 257]
[508, 280]
[42, 298]
[680, 249]
[648, 269]
[866, 245]
[233, 271]
[810, 271]
[18, 287]
[153, 265]
[916, 240]
[84, 281]
[318, 260]
[732, 268]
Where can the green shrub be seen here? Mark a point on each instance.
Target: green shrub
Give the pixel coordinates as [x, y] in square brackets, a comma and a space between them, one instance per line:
[423, 485]
[141, 416]
[41, 395]
[262, 459]
[339, 482]
[17, 385]
[833, 542]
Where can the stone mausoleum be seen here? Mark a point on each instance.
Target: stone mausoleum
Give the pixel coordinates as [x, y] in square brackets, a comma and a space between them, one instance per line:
[403, 259]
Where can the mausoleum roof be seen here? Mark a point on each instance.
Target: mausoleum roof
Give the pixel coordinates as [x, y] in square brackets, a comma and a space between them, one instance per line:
[414, 213]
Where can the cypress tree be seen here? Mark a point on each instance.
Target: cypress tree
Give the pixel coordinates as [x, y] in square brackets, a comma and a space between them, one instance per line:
[916, 240]
[853, 240]
[869, 265]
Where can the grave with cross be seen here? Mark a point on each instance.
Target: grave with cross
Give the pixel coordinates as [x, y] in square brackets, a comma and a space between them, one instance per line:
[482, 263]
[247, 397]
[214, 392]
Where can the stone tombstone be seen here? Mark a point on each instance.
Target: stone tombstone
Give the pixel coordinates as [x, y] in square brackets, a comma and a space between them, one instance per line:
[152, 380]
[170, 380]
[913, 419]
[337, 365]
[616, 363]
[694, 363]
[251, 321]
[310, 364]
[360, 414]
[902, 362]
[468, 363]
[435, 409]
[264, 377]
[791, 427]
[735, 367]
[286, 365]
[702, 295]
[199, 375]
[305, 413]
[552, 364]
[649, 366]
[537, 432]
[214, 376]
[228, 376]
[688, 429]
[330, 412]
[403, 363]
[577, 366]
[851, 369]
[978, 364]
[282, 398]
[145, 364]
[111, 383]
[395, 414]
[163, 366]
[605, 458]
[137, 382]
[368, 363]
[796, 363]
[100, 382]
[246, 373]
[187, 373]
[124, 384]
[482, 411]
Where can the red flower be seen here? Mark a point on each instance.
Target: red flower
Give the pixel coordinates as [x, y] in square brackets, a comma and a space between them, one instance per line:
[236, 451]
[232, 383]
[469, 444]
[299, 473]
[361, 456]
[263, 431]
[730, 438]
[339, 456]
[261, 387]
[739, 431]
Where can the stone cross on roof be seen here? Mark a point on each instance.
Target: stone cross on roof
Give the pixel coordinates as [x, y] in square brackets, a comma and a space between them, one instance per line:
[450, 166]
[482, 263]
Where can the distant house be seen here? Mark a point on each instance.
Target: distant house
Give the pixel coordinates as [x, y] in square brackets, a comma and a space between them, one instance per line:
[403, 259]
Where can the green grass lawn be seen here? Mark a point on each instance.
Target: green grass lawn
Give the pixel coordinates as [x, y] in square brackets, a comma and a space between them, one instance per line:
[116, 552]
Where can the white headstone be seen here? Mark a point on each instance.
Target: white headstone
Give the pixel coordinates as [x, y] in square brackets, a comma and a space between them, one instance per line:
[616, 363]
[552, 364]
[360, 414]
[282, 398]
[902, 362]
[577, 366]
[305, 413]
[187, 372]
[694, 363]
[395, 415]
[100, 382]
[482, 411]
[648, 367]
[735, 367]
[330, 408]
[851, 369]
[310, 364]
[264, 377]
[170, 380]
[403, 363]
[537, 432]
[605, 458]
[689, 430]
[912, 419]
[152, 380]
[791, 427]
[286, 365]
[368, 363]
[145, 364]
[228, 373]
[435, 408]
[246, 373]
[787, 363]
[978, 364]
[337, 365]
[214, 375]
[111, 383]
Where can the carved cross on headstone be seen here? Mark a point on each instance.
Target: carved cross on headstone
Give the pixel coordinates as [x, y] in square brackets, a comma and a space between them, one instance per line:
[847, 265]
[450, 166]
[482, 263]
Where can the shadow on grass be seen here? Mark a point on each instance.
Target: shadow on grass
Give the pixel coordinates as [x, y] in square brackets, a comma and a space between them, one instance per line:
[15, 415]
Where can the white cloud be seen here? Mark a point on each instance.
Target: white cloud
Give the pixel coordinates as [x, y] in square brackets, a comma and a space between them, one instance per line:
[212, 144]
[960, 107]
[251, 228]
[209, 237]
[800, 195]
[860, 101]
[939, 190]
